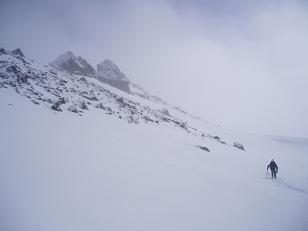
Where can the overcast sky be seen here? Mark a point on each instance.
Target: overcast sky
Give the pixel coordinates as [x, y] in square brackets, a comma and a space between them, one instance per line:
[242, 64]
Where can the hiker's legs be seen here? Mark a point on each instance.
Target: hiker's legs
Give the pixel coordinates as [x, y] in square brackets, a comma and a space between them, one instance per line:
[273, 174]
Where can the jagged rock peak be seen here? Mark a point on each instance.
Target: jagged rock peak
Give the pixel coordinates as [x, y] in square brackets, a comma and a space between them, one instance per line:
[73, 64]
[18, 52]
[108, 70]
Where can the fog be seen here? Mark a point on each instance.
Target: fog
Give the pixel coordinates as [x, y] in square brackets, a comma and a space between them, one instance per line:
[242, 65]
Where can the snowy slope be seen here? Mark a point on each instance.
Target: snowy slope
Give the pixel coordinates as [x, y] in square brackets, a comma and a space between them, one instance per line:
[113, 168]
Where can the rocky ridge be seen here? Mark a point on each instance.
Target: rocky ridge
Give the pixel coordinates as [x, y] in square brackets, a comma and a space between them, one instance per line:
[61, 91]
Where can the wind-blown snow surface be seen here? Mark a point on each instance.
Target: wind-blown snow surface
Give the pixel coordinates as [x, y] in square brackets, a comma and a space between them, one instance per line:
[59, 171]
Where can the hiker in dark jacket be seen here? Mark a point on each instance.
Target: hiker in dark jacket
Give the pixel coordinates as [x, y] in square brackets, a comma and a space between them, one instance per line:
[274, 168]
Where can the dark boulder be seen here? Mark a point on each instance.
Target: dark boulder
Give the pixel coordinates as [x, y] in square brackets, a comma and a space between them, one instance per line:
[83, 79]
[2, 51]
[72, 108]
[84, 106]
[147, 118]
[204, 148]
[164, 111]
[184, 125]
[239, 146]
[100, 106]
[56, 105]
[216, 137]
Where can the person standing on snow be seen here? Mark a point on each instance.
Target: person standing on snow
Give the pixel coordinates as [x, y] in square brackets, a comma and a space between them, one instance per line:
[274, 168]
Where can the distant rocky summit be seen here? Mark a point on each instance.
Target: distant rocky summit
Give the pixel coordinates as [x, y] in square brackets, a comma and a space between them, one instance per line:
[108, 72]
[63, 88]
[72, 64]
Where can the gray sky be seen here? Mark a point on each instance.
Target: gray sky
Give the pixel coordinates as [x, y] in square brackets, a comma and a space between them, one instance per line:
[242, 64]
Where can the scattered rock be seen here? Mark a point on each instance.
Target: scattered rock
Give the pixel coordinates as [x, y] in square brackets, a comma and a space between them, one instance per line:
[147, 118]
[204, 148]
[35, 102]
[84, 106]
[92, 98]
[63, 82]
[16, 70]
[18, 52]
[184, 125]
[72, 108]
[216, 137]
[83, 79]
[100, 106]
[56, 106]
[131, 119]
[120, 100]
[23, 79]
[239, 146]
[164, 111]
[2, 51]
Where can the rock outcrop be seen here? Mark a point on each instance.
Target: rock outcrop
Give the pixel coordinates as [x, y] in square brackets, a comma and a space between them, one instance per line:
[74, 65]
[18, 52]
[109, 73]
[239, 146]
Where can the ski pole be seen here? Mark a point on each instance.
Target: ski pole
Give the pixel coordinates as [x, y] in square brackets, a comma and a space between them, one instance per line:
[266, 173]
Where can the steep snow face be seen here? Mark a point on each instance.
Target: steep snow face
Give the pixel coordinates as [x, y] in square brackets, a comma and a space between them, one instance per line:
[108, 72]
[73, 65]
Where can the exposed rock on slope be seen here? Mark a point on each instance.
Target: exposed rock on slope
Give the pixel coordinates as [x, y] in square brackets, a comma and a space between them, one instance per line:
[2, 50]
[56, 90]
[239, 146]
[59, 89]
[18, 52]
[107, 72]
